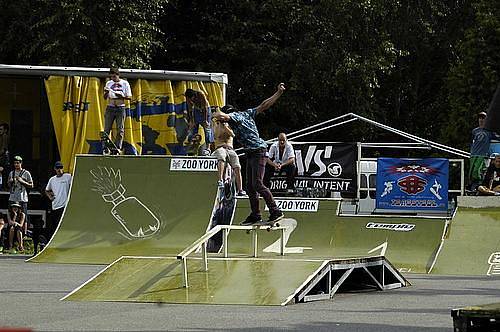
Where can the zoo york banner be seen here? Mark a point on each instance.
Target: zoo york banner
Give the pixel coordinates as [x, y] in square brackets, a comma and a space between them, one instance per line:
[412, 184]
[322, 168]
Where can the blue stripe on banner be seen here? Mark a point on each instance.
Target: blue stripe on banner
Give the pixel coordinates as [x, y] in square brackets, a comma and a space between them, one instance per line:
[141, 109]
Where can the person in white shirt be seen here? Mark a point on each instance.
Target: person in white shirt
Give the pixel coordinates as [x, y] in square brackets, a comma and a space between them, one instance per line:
[282, 159]
[57, 190]
[116, 91]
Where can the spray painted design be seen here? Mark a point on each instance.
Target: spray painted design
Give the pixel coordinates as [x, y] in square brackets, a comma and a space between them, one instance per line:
[290, 225]
[135, 218]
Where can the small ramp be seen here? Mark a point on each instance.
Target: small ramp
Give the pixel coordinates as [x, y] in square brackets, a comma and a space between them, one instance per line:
[235, 280]
[251, 281]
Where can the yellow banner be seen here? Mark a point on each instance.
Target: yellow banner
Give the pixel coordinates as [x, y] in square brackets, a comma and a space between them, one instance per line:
[155, 121]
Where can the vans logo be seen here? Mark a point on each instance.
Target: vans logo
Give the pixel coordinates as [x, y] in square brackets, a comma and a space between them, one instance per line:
[334, 169]
[304, 163]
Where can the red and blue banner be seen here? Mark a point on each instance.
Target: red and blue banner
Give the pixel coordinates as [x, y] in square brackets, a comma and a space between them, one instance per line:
[412, 184]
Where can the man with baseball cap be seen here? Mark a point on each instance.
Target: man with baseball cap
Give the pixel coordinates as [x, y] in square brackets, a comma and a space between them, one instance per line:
[479, 151]
[57, 190]
[19, 181]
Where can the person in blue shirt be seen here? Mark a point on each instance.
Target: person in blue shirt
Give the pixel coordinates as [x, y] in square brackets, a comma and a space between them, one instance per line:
[479, 151]
[246, 132]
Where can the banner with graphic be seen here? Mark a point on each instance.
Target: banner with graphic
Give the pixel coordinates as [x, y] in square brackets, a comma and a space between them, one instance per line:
[322, 169]
[156, 117]
[412, 184]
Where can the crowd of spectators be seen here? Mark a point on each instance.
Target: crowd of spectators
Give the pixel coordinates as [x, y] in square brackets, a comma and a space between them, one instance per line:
[14, 223]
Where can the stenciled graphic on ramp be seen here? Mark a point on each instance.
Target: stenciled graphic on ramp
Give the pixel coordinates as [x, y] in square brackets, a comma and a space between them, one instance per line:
[290, 225]
[494, 262]
[135, 218]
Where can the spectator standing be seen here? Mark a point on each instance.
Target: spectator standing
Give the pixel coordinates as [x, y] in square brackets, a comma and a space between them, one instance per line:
[116, 91]
[57, 190]
[491, 182]
[282, 159]
[16, 219]
[199, 114]
[19, 182]
[243, 124]
[480, 147]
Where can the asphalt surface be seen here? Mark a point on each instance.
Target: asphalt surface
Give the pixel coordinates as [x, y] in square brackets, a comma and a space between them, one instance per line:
[30, 293]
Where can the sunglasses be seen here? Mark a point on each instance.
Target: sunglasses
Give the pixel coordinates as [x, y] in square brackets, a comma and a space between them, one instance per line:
[59, 167]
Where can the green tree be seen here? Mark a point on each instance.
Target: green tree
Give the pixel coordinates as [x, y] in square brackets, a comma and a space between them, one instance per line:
[80, 33]
[475, 74]
[387, 60]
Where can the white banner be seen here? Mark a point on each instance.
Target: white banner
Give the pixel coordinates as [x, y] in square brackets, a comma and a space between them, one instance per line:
[297, 205]
[193, 164]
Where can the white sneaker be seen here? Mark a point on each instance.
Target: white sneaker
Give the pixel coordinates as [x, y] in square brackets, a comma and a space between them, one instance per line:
[241, 193]
[220, 184]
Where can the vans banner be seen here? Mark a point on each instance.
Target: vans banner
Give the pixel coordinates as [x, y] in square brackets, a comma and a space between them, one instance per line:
[322, 168]
[412, 184]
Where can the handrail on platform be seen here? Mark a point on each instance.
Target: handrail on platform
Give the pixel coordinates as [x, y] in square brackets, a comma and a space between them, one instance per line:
[202, 241]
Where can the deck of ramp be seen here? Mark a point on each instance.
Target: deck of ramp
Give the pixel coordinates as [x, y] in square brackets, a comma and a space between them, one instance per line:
[228, 281]
[155, 212]
[472, 244]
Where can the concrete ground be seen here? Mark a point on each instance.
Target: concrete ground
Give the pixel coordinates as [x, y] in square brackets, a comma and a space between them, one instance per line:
[30, 296]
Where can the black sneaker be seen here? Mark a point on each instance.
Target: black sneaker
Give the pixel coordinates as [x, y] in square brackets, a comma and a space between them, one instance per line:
[250, 220]
[275, 216]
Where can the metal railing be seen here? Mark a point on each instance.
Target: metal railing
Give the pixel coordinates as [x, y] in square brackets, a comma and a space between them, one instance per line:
[202, 242]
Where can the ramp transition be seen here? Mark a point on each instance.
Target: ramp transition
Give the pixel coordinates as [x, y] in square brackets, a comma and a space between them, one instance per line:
[251, 281]
[471, 245]
[132, 205]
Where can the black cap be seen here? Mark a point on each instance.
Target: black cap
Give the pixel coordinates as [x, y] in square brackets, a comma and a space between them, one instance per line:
[58, 164]
[228, 109]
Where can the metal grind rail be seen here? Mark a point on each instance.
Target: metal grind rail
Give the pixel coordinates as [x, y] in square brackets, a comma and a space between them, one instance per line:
[202, 242]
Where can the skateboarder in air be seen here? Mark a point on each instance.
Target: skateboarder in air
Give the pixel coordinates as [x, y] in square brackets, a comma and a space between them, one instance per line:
[245, 129]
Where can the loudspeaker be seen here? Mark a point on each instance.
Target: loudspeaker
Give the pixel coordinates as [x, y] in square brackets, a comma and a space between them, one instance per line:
[493, 118]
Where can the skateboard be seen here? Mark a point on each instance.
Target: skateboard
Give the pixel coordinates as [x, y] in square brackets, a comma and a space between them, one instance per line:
[269, 226]
[109, 147]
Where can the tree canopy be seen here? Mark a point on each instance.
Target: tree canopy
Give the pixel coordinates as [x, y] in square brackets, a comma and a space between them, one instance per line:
[423, 66]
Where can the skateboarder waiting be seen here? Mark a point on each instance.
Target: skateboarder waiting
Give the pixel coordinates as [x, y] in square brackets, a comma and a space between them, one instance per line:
[243, 124]
[116, 91]
[225, 153]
